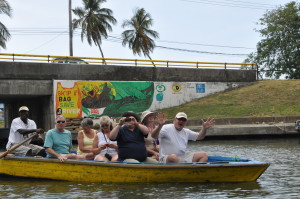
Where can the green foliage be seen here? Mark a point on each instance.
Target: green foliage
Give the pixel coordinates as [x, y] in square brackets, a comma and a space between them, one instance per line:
[278, 53]
[4, 33]
[94, 21]
[139, 36]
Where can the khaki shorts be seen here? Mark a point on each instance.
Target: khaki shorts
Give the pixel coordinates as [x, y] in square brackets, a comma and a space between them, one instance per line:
[24, 149]
[186, 158]
[148, 160]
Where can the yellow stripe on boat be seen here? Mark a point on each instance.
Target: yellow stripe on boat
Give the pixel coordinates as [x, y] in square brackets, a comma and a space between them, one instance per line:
[94, 171]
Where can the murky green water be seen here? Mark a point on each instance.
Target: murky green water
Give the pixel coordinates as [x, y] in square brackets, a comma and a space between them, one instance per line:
[281, 179]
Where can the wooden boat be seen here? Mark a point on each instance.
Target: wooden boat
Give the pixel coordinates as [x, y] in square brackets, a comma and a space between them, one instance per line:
[217, 169]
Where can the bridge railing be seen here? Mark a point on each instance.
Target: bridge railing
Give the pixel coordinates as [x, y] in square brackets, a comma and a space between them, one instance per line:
[117, 61]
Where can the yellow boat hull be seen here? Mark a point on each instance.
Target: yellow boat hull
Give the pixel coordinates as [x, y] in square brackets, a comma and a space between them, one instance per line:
[93, 171]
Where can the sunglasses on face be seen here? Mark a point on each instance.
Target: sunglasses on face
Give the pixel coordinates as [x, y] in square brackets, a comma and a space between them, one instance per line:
[58, 122]
[182, 119]
[104, 125]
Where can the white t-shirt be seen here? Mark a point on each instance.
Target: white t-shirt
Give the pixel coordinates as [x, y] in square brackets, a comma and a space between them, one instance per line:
[14, 136]
[172, 141]
[103, 139]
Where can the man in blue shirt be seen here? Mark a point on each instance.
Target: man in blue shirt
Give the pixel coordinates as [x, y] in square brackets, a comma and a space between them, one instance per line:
[58, 141]
[130, 134]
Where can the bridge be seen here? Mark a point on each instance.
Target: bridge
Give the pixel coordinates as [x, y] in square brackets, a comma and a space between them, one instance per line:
[29, 79]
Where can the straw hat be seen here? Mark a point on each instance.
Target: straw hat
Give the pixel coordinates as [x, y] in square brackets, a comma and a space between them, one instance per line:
[145, 114]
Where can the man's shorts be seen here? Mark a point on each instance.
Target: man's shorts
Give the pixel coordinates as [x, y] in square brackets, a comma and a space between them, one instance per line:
[186, 158]
[23, 150]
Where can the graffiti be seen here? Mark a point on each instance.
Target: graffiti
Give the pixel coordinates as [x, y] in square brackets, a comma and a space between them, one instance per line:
[160, 88]
[131, 96]
[96, 99]
[104, 98]
[67, 101]
[200, 88]
[77, 99]
[176, 87]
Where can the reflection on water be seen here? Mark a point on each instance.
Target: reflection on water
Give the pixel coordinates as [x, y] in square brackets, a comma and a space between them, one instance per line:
[281, 179]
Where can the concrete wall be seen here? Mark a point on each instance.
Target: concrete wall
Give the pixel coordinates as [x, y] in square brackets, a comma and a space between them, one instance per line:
[31, 84]
[49, 71]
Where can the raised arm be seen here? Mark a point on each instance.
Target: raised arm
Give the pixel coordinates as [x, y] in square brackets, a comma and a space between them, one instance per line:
[161, 121]
[143, 128]
[114, 133]
[210, 122]
[27, 131]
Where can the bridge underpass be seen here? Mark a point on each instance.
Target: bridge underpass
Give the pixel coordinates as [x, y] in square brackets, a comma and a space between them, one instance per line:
[31, 84]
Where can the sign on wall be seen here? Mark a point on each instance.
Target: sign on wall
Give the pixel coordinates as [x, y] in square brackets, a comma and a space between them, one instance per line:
[77, 99]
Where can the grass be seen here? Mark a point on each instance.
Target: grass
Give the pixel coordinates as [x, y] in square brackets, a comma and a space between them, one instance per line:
[260, 99]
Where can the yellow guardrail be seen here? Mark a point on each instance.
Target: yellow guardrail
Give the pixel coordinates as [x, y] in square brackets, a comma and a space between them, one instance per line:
[117, 61]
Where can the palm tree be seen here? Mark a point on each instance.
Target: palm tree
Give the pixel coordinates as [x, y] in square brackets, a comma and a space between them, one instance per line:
[4, 33]
[138, 37]
[94, 22]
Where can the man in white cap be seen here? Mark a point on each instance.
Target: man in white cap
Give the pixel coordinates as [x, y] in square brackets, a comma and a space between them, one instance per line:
[21, 128]
[173, 139]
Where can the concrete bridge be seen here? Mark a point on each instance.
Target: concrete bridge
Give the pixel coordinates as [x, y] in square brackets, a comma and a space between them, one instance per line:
[31, 84]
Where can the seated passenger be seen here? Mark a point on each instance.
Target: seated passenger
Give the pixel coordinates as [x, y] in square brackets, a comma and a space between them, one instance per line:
[86, 138]
[58, 141]
[173, 139]
[130, 139]
[21, 129]
[147, 119]
[103, 147]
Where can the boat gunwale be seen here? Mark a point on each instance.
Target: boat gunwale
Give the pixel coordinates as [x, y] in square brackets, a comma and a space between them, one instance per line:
[142, 165]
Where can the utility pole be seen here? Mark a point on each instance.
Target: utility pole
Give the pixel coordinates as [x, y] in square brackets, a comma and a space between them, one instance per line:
[70, 28]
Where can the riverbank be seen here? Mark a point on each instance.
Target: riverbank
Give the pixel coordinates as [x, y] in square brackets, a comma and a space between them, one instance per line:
[236, 128]
[255, 127]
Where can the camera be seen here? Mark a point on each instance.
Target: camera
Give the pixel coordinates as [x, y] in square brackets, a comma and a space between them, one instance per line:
[127, 119]
[109, 157]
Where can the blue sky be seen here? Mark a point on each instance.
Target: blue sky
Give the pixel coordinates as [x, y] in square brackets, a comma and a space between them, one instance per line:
[190, 30]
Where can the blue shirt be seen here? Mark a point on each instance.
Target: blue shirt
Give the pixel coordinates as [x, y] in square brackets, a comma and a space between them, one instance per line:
[131, 144]
[60, 142]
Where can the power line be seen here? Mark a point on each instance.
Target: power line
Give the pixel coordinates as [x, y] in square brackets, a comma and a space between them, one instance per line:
[196, 44]
[200, 52]
[241, 4]
[44, 43]
[117, 39]
[64, 31]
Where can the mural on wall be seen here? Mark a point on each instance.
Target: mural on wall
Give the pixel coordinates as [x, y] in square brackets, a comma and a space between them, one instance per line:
[68, 101]
[76, 99]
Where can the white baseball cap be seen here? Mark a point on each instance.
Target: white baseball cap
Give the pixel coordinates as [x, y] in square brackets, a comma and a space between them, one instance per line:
[23, 108]
[181, 115]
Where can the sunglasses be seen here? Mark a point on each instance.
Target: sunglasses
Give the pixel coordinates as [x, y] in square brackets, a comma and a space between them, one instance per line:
[182, 119]
[60, 122]
[104, 125]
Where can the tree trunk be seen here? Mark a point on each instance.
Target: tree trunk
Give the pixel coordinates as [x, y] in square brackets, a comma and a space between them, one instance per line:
[103, 61]
[151, 60]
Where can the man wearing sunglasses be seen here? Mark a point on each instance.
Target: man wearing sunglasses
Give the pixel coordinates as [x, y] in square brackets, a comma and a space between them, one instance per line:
[173, 139]
[58, 141]
[22, 128]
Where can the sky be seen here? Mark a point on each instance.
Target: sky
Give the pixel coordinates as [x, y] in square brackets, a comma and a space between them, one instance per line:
[189, 30]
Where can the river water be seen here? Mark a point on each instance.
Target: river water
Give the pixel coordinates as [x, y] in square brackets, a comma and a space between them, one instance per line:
[280, 180]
